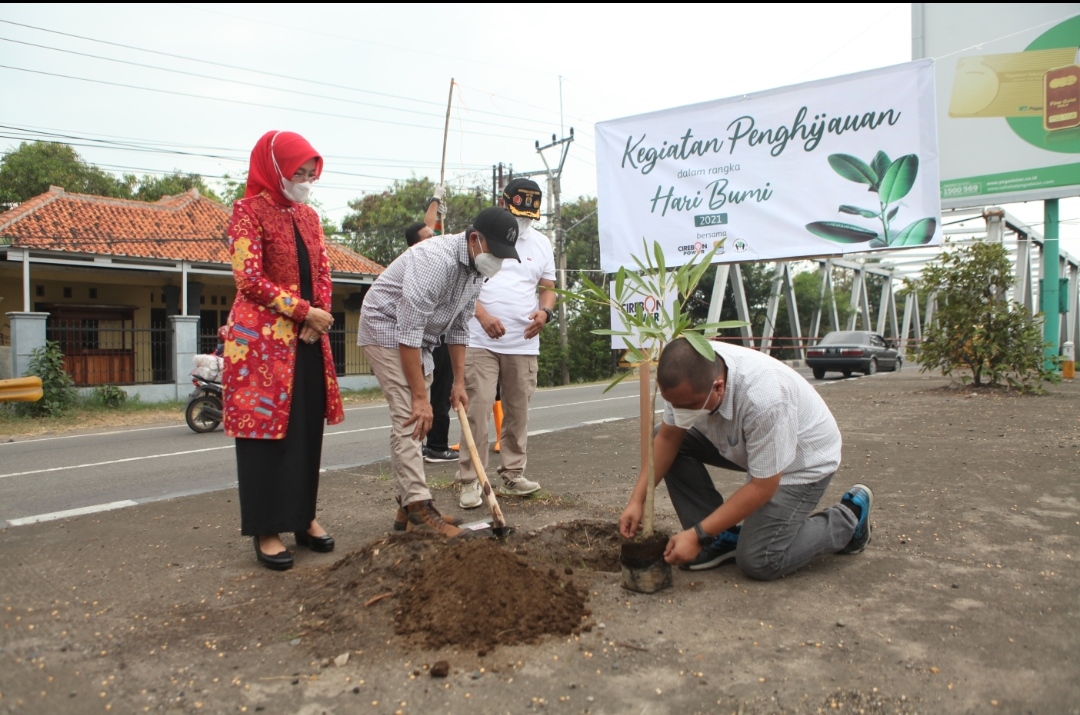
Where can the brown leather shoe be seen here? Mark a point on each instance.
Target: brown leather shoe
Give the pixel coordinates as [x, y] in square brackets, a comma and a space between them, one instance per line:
[401, 519]
[423, 516]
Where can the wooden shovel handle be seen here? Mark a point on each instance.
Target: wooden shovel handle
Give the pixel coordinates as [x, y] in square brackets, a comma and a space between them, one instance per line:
[489, 495]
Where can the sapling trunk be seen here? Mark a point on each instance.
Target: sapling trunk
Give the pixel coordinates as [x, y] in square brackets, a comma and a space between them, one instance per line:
[648, 407]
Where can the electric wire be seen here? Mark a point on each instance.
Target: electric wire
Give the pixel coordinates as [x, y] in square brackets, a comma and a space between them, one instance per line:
[252, 70]
[253, 84]
[261, 105]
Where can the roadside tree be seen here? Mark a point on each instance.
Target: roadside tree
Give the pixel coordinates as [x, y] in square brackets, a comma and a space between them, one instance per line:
[977, 331]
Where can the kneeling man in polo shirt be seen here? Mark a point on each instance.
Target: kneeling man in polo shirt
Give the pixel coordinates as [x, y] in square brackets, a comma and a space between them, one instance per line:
[428, 291]
[743, 410]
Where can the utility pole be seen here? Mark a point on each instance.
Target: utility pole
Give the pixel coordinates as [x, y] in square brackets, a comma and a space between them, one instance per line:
[555, 207]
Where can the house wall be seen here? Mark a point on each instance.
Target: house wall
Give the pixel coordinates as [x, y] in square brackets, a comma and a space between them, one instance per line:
[149, 291]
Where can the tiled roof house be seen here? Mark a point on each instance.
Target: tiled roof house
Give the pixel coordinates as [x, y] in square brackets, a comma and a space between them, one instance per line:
[94, 262]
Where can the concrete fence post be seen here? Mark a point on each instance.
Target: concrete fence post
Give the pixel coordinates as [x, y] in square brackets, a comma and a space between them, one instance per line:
[27, 335]
[185, 329]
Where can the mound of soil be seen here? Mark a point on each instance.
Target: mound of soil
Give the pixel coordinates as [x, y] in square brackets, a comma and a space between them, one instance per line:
[473, 594]
[476, 594]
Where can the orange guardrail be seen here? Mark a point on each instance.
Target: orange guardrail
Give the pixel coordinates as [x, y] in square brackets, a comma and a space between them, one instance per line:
[21, 389]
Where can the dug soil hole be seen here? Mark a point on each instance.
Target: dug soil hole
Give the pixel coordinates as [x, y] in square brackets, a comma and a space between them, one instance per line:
[426, 592]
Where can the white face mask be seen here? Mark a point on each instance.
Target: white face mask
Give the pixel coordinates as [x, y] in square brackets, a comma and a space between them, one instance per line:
[523, 223]
[294, 191]
[685, 419]
[488, 265]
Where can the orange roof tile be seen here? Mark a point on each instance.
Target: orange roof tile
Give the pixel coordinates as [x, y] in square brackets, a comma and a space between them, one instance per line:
[186, 227]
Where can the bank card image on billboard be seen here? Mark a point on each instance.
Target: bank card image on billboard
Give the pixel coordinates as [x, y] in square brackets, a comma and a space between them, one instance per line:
[830, 167]
[1008, 96]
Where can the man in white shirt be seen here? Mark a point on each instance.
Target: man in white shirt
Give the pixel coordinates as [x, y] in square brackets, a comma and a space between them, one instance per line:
[504, 342]
[745, 411]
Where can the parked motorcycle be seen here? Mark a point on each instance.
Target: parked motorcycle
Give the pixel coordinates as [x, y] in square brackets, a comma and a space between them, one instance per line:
[204, 405]
[203, 413]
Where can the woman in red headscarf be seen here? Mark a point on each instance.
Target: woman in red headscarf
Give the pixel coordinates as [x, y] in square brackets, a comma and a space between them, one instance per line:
[279, 380]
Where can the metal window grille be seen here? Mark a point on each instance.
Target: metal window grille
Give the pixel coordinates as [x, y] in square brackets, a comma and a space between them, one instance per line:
[111, 351]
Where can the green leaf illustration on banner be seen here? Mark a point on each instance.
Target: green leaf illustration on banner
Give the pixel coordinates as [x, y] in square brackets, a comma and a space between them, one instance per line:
[856, 211]
[899, 179]
[915, 234]
[880, 164]
[853, 169]
[840, 232]
[892, 181]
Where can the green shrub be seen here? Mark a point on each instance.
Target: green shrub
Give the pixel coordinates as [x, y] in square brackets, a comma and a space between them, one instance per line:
[110, 395]
[57, 387]
[977, 332]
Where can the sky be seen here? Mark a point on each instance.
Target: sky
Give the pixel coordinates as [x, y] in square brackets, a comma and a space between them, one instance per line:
[150, 88]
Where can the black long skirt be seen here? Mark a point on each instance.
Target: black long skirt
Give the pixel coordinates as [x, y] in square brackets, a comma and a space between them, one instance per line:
[279, 478]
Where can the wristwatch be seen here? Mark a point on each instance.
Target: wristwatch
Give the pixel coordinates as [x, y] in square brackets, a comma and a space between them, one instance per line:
[703, 538]
[550, 315]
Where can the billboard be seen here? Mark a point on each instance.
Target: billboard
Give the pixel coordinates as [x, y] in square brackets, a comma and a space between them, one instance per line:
[842, 165]
[1008, 98]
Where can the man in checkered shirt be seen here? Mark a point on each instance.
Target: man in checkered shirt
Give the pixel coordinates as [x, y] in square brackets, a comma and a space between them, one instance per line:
[743, 410]
[428, 291]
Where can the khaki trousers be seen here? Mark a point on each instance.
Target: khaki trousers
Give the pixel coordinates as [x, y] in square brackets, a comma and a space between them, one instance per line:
[406, 456]
[515, 375]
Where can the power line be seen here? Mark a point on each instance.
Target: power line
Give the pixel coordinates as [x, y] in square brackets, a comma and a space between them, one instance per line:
[248, 84]
[251, 104]
[225, 65]
[148, 146]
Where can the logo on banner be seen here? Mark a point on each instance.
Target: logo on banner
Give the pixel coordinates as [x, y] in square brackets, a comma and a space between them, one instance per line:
[648, 305]
[692, 249]
[740, 246]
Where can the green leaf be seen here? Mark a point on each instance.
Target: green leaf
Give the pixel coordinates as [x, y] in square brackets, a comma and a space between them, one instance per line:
[620, 281]
[899, 179]
[699, 270]
[621, 376]
[853, 169]
[659, 251]
[722, 325]
[855, 210]
[892, 213]
[703, 346]
[840, 232]
[915, 234]
[609, 331]
[880, 165]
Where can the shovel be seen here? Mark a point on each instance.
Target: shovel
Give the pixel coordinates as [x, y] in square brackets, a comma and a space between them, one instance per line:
[498, 523]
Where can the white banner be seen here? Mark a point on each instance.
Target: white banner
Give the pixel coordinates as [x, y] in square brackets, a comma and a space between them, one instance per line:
[1008, 98]
[836, 166]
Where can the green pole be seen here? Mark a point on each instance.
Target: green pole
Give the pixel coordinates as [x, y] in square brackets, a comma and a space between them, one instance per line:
[1049, 293]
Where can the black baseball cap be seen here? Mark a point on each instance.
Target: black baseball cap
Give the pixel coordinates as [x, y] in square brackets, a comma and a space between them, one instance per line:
[501, 231]
[522, 197]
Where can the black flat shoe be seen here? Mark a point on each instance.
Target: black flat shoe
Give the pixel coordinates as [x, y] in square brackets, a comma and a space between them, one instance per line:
[322, 544]
[277, 562]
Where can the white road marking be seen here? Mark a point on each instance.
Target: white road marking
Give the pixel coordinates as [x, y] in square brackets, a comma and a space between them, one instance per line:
[94, 434]
[583, 402]
[115, 461]
[52, 516]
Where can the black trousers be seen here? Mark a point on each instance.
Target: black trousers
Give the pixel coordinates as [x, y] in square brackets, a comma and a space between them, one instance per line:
[438, 438]
[279, 478]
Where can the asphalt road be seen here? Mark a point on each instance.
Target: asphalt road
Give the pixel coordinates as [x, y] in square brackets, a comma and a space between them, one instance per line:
[44, 478]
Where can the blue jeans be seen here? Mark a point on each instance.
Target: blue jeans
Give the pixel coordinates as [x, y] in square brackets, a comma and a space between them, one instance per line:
[780, 537]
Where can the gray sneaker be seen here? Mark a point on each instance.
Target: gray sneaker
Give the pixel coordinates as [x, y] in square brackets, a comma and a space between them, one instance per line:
[472, 495]
[519, 487]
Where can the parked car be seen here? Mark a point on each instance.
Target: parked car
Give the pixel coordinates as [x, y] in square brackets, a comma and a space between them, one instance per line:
[849, 351]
